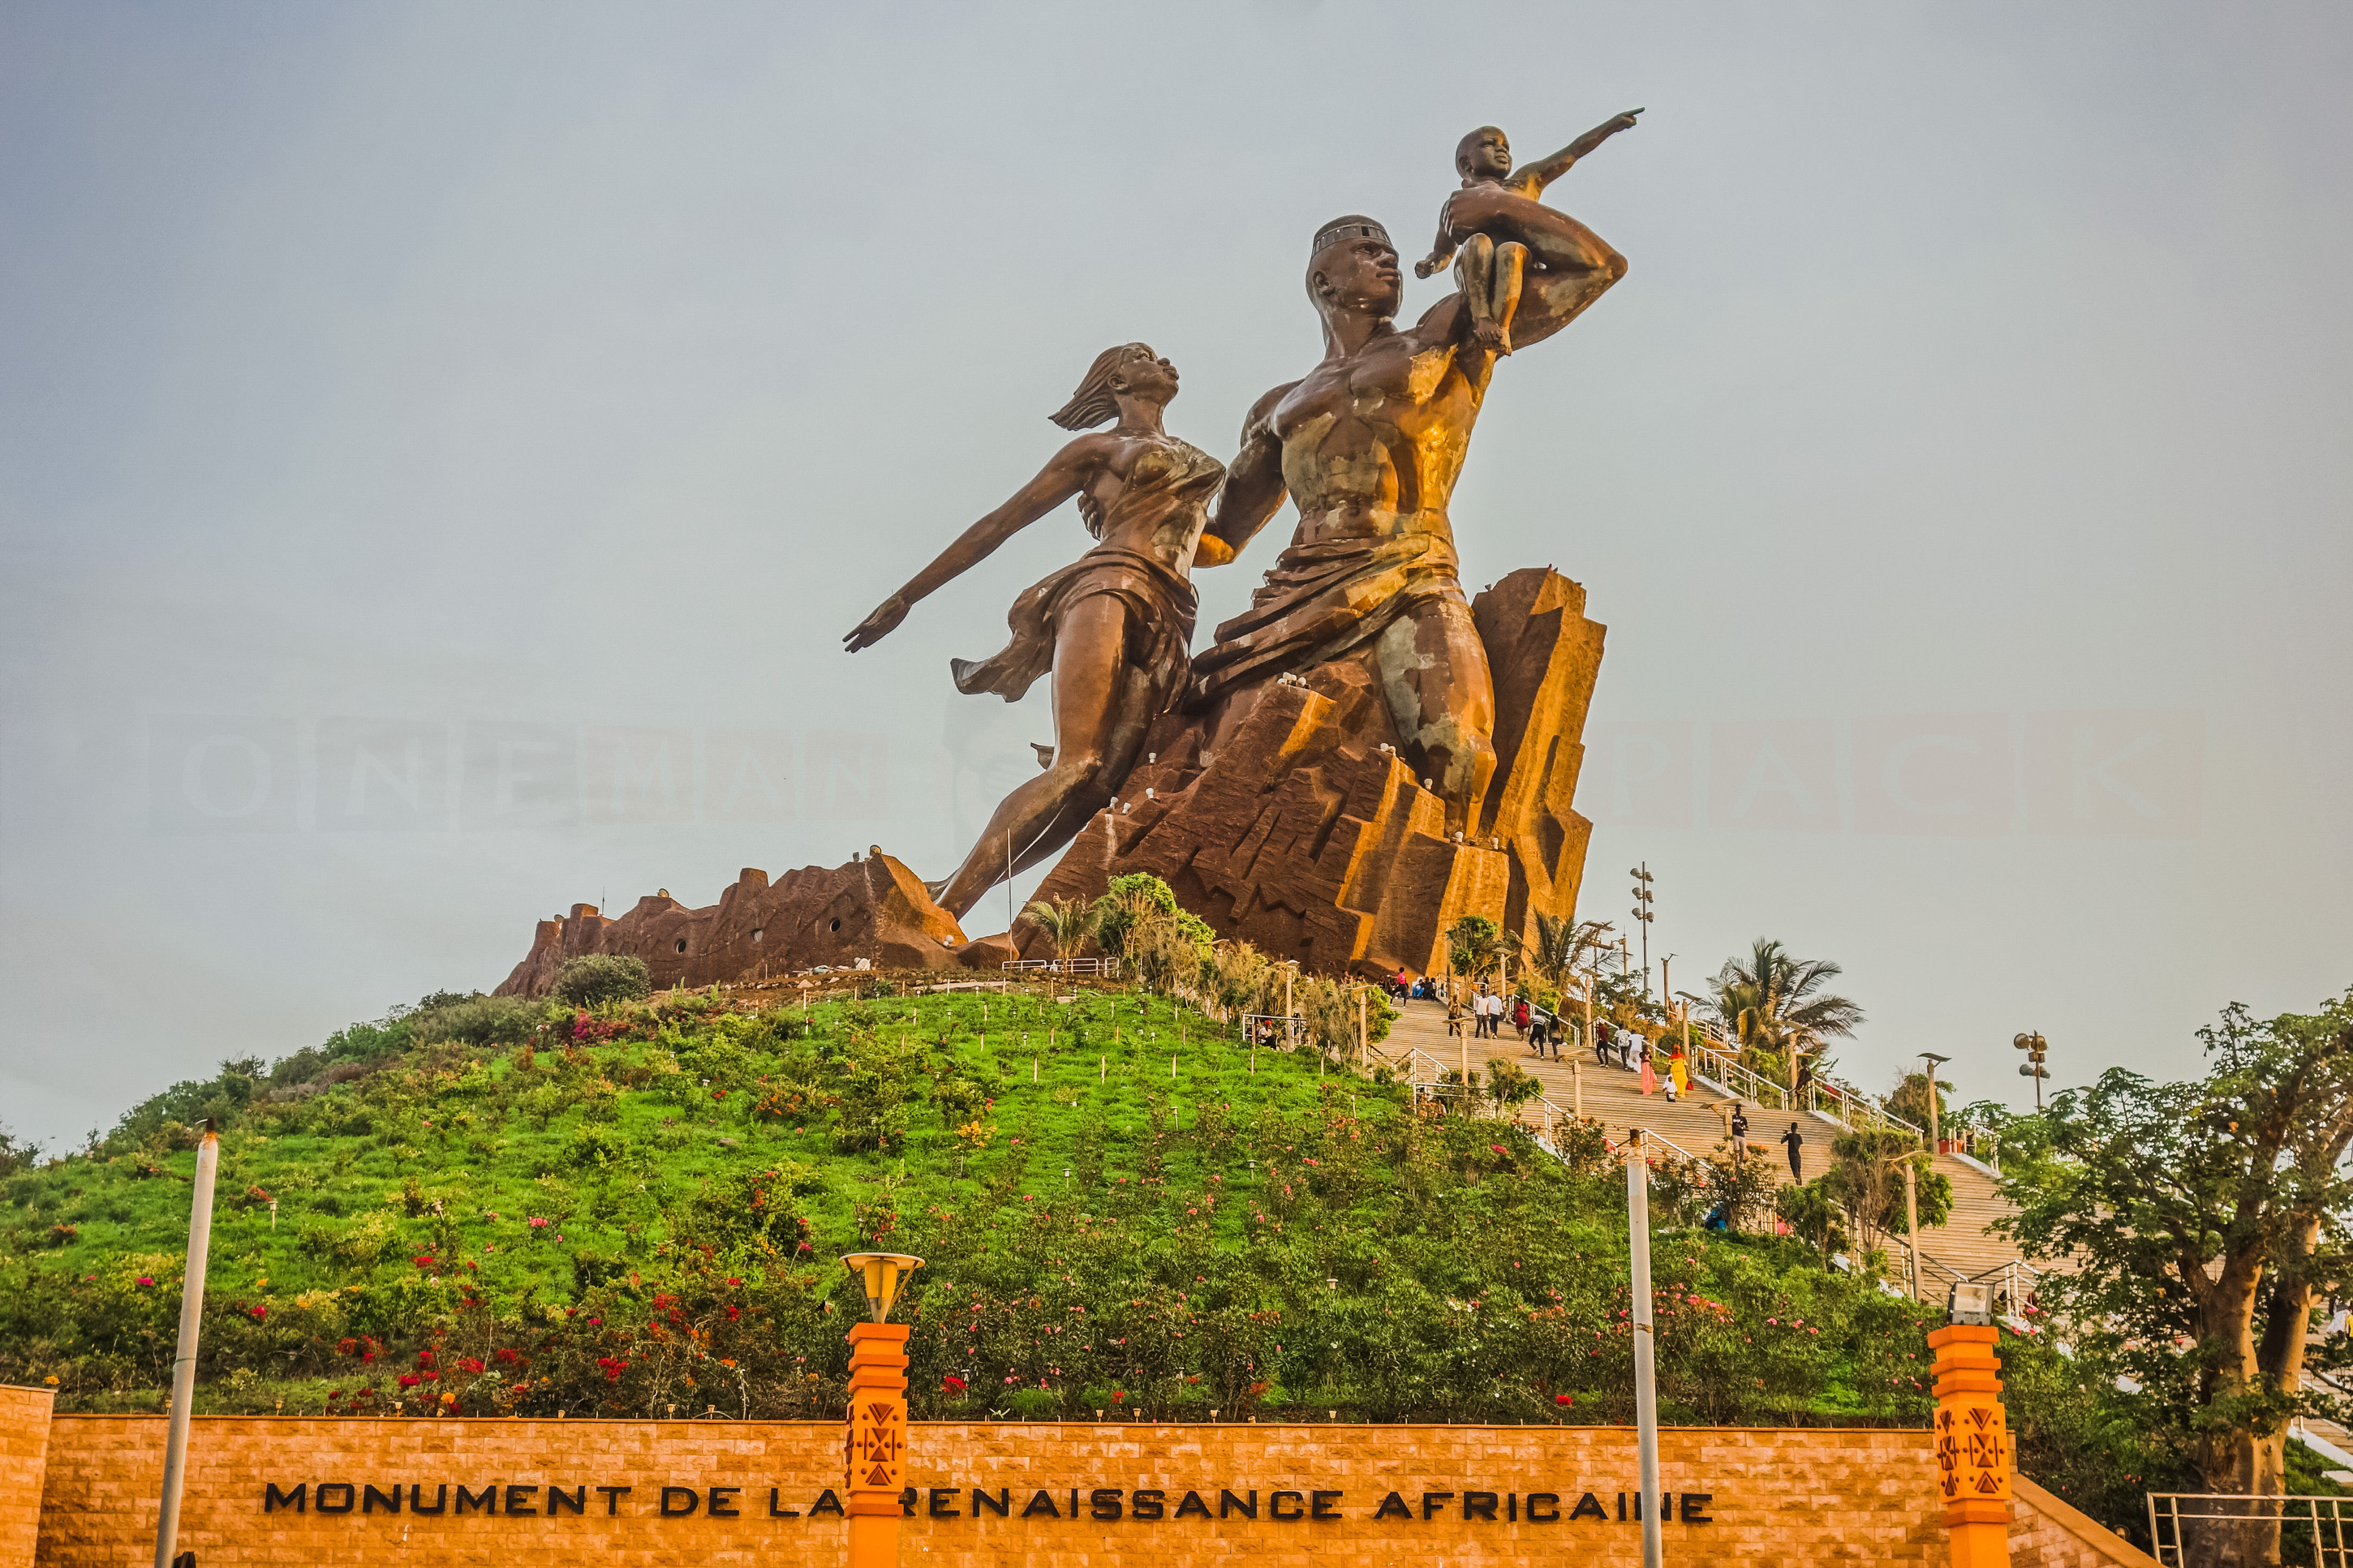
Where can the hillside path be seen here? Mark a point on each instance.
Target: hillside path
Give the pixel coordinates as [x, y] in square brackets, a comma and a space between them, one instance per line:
[1962, 1247]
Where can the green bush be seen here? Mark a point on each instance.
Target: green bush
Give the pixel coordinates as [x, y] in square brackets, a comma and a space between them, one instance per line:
[595, 1147]
[487, 1020]
[595, 978]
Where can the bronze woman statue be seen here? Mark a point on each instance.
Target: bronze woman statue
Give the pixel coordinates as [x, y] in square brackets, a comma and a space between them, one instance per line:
[1114, 626]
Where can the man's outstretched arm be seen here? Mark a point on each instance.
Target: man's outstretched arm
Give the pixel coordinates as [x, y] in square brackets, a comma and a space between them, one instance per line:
[1253, 491]
[1551, 299]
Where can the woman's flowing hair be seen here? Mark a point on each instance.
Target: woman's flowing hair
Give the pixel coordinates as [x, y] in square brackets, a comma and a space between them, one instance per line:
[1094, 402]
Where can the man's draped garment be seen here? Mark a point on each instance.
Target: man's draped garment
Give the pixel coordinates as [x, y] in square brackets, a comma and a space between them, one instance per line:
[1321, 601]
[1162, 485]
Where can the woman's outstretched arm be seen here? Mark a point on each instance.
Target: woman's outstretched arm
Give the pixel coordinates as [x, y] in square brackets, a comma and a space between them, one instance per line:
[1073, 466]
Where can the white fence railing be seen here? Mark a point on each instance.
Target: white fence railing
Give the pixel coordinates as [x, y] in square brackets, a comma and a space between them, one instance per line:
[1106, 967]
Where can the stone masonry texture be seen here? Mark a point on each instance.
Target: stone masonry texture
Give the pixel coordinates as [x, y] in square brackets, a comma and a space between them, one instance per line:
[1779, 1496]
[24, 1453]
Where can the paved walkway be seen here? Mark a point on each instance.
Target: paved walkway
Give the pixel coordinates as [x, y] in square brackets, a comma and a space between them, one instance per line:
[1696, 1125]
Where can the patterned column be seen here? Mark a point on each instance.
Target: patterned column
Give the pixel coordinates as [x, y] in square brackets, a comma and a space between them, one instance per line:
[1972, 1445]
[875, 1450]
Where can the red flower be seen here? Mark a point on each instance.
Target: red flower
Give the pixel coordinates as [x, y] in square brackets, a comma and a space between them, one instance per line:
[409, 1380]
[1564, 1400]
[467, 1363]
[260, 1313]
[952, 1383]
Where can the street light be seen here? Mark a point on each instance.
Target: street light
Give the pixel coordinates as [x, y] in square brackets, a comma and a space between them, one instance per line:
[2036, 1048]
[1935, 1138]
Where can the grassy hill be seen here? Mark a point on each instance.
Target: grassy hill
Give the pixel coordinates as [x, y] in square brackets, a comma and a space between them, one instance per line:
[484, 1206]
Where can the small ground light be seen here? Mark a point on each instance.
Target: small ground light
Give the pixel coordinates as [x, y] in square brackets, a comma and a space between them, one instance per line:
[1971, 1302]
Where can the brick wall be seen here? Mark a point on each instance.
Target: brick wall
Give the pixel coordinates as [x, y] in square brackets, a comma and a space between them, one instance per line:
[1778, 1496]
[2051, 1533]
[23, 1451]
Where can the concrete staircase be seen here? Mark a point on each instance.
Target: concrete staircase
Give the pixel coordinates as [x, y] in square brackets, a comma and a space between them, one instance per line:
[1962, 1248]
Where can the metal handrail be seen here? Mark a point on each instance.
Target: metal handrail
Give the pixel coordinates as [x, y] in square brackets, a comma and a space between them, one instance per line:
[2326, 1515]
[1736, 1078]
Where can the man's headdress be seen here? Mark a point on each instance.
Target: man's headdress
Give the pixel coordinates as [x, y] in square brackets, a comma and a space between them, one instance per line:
[1353, 226]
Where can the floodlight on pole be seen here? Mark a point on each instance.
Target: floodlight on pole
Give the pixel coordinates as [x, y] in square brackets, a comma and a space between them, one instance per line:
[1643, 880]
[2037, 1050]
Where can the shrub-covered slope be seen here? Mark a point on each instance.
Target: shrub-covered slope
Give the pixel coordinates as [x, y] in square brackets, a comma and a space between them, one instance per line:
[482, 1205]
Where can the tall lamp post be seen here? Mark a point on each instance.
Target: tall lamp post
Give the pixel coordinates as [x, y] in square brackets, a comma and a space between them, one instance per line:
[1936, 1135]
[184, 1359]
[875, 1449]
[1642, 879]
[2036, 1048]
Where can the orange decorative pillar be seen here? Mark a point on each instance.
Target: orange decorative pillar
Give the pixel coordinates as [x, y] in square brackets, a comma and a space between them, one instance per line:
[1972, 1444]
[875, 1448]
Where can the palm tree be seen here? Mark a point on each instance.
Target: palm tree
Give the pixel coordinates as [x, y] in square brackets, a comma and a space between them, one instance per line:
[1774, 1003]
[1067, 922]
[1560, 947]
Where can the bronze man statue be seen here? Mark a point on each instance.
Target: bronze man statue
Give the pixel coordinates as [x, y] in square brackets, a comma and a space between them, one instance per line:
[1369, 445]
[1114, 626]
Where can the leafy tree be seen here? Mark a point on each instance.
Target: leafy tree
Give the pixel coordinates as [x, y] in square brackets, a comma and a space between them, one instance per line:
[1139, 921]
[1475, 945]
[1814, 1215]
[1774, 1004]
[594, 979]
[1866, 1181]
[1129, 902]
[1067, 922]
[17, 1153]
[1910, 1100]
[1241, 977]
[2207, 1213]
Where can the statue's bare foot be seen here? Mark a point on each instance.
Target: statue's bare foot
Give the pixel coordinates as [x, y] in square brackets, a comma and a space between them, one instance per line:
[1488, 335]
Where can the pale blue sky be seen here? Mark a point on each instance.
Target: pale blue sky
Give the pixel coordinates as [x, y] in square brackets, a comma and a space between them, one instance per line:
[488, 377]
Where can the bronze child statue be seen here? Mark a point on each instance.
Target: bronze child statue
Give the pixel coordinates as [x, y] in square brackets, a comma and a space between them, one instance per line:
[1497, 221]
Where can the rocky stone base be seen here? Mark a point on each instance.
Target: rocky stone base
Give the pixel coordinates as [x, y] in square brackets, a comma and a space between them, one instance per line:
[1287, 819]
[873, 909]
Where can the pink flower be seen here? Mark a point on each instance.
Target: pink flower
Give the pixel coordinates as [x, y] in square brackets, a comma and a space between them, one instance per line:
[536, 1222]
[146, 1279]
[260, 1313]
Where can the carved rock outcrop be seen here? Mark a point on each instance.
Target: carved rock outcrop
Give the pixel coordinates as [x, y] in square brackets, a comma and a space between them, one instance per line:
[873, 909]
[1303, 833]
